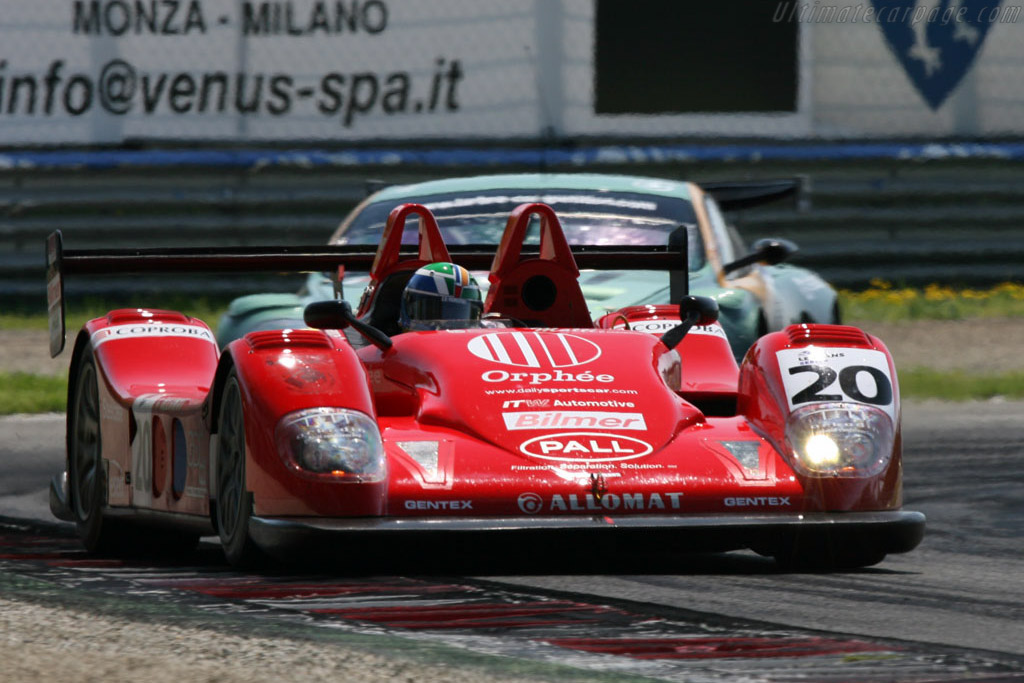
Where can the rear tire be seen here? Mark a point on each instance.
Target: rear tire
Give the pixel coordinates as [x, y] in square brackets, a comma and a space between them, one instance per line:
[88, 481]
[233, 509]
[86, 474]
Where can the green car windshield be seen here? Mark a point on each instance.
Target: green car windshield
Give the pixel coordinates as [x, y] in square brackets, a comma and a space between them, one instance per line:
[587, 217]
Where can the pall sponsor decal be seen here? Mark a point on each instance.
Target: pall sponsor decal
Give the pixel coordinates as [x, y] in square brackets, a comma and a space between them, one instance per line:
[150, 330]
[532, 503]
[818, 374]
[534, 349]
[569, 419]
[585, 447]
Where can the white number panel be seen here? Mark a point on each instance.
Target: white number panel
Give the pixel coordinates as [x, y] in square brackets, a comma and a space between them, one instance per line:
[817, 374]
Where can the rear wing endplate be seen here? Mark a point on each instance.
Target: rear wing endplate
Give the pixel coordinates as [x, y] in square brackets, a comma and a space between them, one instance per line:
[296, 259]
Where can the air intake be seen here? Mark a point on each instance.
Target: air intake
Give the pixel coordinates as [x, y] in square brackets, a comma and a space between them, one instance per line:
[287, 338]
[833, 334]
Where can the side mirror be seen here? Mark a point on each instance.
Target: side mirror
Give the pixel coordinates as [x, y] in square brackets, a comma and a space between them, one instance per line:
[770, 250]
[698, 310]
[337, 315]
[774, 250]
[693, 310]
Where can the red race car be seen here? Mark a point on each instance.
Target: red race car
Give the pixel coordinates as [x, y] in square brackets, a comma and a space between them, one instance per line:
[524, 420]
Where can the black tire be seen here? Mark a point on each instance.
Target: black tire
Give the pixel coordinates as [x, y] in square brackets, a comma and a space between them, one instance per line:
[233, 507]
[826, 553]
[87, 485]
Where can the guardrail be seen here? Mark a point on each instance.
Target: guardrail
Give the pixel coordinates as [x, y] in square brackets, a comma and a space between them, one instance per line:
[907, 214]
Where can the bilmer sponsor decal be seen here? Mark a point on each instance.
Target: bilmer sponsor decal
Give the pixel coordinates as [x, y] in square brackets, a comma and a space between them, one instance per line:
[572, 419]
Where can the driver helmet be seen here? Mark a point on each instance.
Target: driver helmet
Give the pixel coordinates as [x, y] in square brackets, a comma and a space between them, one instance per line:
[440, 296]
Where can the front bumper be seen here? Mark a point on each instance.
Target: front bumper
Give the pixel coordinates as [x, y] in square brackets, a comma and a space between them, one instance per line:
[895, 531]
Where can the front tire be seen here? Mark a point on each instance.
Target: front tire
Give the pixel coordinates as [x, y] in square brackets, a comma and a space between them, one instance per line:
[822, 552]
[234, 502]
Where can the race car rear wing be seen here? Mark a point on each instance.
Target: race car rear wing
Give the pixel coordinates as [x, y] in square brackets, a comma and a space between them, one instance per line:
[733, 195]
[320, 258]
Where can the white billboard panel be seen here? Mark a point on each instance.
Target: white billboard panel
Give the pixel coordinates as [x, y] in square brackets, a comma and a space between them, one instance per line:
[110, 72]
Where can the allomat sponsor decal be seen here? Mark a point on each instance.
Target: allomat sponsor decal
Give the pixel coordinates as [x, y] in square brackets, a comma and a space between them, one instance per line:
[585, 447]
[533, 504]
[148, 330]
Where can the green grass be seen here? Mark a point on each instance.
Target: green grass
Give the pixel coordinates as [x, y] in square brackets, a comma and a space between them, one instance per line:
[956, 385]
[77, 313]
[25, 393]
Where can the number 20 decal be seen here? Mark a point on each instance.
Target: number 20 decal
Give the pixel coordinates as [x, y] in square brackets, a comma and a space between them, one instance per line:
[817, 374]
[847, 382]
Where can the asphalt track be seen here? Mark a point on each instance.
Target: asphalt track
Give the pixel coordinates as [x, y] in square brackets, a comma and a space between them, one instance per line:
[952, 610]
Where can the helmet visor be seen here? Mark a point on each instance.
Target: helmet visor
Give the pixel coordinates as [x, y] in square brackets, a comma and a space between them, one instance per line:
[431, 309]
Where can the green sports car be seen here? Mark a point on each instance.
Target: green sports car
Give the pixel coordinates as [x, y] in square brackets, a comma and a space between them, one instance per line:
[755, 292]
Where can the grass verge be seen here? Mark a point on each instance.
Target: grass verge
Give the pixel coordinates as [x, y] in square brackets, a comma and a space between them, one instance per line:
[78, 312]
[922, 383]
[26, 393]
[883, 302]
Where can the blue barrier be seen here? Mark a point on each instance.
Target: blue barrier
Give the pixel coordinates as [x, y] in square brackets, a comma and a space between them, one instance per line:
[536, 157]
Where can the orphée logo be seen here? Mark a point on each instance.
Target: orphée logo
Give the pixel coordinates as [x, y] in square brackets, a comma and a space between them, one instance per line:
[534, 349]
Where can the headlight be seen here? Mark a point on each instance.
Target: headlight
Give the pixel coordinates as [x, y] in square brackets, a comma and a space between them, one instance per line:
[840, 439]
[334, 444]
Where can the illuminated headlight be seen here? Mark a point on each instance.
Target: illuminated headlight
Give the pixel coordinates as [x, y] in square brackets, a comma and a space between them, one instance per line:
[332, 443]
[840, 439]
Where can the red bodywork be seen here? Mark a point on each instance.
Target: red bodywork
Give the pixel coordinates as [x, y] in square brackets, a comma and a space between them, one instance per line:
[560, 418]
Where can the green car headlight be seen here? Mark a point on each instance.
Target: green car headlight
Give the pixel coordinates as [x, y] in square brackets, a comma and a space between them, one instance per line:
[334, 444]
[840, 440]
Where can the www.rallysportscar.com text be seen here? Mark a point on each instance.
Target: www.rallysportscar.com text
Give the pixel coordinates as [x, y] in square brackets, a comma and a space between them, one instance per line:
[122, 89]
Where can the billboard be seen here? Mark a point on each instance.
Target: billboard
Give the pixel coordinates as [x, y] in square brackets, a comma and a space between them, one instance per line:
[118, 72]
